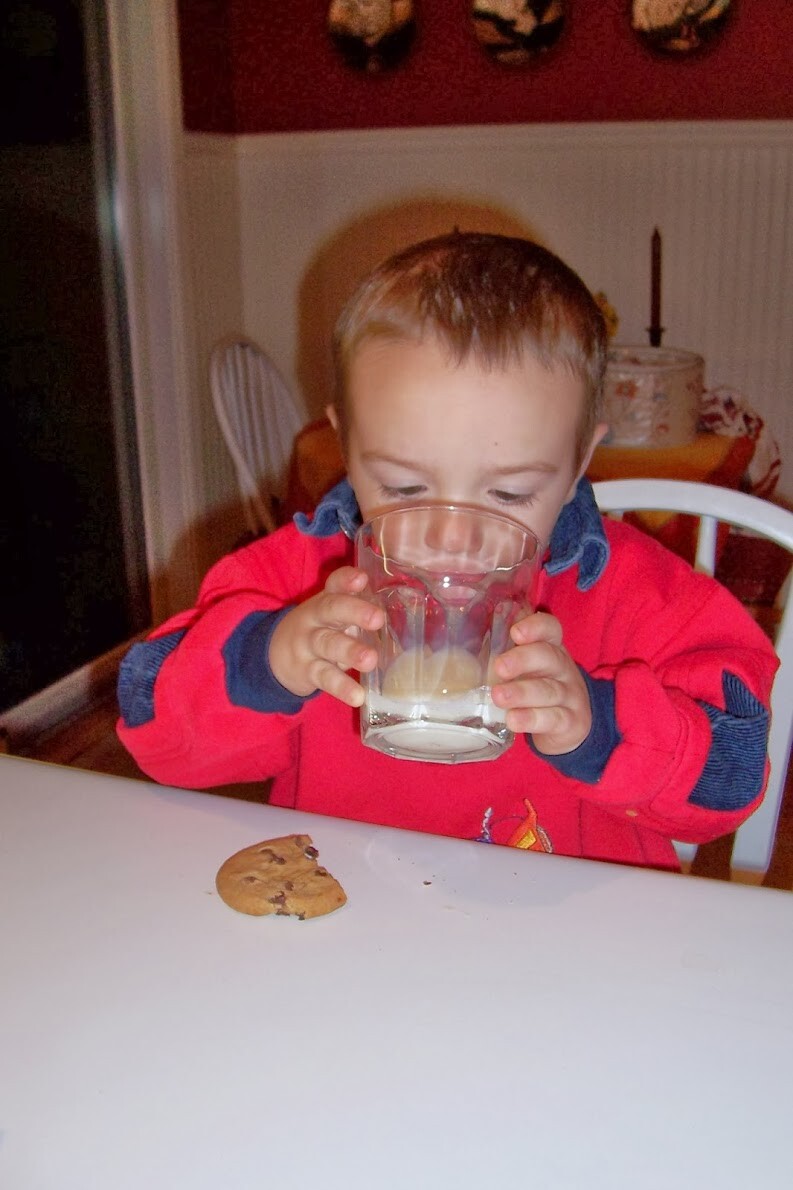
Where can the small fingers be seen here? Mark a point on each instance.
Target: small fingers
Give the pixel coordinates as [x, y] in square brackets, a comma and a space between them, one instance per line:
[335, 681]
[541, 659]
[537, 693]
[539, 626]
[554, 730]
[324, 635]
[343, 611]
[347, 579]
[552, 721]
[343, 650]
[544, 695]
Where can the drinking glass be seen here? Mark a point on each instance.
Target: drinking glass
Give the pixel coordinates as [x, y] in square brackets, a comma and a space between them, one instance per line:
[451, 581]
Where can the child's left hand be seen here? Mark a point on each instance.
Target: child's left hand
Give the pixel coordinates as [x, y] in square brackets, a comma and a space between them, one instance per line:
[541, 687]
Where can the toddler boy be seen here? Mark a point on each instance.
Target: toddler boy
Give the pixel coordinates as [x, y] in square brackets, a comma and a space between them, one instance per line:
[469, 370]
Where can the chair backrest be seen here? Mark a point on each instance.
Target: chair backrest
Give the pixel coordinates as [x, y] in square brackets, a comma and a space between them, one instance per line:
[259, 418]
[754, 840]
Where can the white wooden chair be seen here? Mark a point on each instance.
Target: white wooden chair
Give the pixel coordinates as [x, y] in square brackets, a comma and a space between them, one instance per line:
[754, 840]
[259, 417]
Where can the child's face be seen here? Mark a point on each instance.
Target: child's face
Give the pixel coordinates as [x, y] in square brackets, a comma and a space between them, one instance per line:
[422, 428]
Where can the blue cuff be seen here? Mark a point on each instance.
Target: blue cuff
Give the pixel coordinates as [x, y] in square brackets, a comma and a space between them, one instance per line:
[137, 675]
[734, 771]
[588, 761]
[249, 679]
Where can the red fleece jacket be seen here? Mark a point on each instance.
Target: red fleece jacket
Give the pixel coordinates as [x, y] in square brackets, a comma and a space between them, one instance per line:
[664, 635]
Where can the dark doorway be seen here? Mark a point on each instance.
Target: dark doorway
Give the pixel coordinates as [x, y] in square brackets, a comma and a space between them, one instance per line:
[74, 580]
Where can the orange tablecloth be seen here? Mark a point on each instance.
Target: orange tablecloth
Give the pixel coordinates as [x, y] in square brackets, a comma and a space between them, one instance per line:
[710, 458]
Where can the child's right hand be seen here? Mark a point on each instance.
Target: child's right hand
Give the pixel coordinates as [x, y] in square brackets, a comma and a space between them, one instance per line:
[316, 642]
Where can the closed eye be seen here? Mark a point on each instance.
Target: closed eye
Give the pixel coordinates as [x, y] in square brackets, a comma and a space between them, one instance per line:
[516, 499]
[402, 493]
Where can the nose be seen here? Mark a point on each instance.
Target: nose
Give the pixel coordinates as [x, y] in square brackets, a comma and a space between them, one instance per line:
[453, 533]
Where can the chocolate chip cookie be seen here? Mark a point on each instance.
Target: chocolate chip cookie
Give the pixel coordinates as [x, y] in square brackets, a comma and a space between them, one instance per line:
[279, 876]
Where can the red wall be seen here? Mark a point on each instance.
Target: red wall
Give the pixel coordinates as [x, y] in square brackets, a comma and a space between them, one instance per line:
[268, 65]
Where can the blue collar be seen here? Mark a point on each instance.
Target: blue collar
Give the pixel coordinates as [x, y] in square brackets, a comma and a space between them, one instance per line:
[338, 510]
[578, 537]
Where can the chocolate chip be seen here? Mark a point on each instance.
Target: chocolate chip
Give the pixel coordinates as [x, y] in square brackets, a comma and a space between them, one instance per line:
[321, 872]
[288, 885]
[250, 879]
[310, 852]
[271, 855]
[278, 899]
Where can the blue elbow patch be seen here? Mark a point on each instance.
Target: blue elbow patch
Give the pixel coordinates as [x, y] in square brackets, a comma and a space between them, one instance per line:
[733, 773]
[137, 675]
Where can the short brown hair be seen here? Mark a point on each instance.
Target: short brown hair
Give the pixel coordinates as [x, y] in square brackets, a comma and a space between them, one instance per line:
[492, 297]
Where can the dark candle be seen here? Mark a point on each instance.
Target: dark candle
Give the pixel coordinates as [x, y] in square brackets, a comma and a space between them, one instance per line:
[655, 328]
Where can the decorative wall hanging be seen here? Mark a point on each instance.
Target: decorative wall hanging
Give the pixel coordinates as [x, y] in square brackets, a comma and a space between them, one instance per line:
[515, 31]
[679, 26]
[372, 35]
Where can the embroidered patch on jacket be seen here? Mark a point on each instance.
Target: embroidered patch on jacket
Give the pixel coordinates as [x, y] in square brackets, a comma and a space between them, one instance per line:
[527, 836]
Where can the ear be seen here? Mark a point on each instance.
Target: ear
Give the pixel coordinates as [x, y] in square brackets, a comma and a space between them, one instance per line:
[332, 414]
[598, 434]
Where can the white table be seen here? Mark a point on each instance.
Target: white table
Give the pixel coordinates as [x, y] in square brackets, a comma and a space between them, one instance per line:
[473, 1017]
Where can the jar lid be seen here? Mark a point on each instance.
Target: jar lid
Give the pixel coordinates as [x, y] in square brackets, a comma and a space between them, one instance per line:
[658, 359]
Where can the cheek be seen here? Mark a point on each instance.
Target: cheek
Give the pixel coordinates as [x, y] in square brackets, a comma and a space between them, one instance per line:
[542, 518]
[367, 492]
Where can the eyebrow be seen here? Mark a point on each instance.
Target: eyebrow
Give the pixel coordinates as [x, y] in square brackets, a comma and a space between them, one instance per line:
[376, 456]
[521, 468]
[513, 469]
[535, 467]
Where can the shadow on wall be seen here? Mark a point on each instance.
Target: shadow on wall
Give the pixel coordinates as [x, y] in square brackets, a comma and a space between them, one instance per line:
[344, 259]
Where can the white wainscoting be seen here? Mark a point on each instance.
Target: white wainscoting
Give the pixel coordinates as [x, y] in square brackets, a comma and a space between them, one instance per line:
[317, 210]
